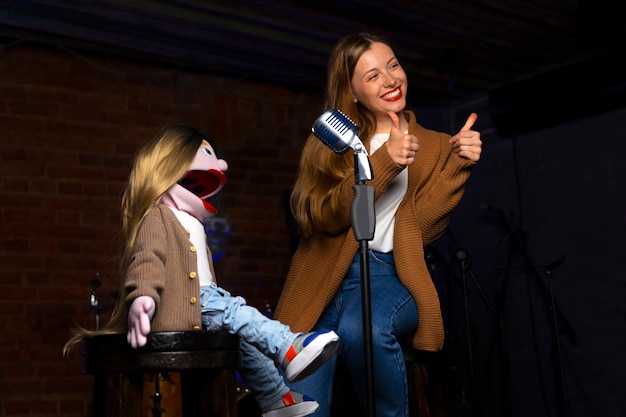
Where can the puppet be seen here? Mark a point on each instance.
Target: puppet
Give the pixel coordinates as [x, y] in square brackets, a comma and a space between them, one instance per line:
[169, 282]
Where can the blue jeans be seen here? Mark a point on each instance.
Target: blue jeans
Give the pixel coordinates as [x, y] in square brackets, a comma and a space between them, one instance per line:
[394, 317]
[263, 341]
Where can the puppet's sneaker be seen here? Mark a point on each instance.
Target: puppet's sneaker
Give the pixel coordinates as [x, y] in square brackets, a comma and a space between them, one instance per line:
[307, 353]
[293, 404]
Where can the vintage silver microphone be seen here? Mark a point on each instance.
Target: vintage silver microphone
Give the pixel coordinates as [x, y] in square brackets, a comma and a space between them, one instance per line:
[339, 133]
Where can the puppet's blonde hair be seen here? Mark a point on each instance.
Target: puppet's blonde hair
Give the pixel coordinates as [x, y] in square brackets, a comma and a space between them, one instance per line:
[158, 165]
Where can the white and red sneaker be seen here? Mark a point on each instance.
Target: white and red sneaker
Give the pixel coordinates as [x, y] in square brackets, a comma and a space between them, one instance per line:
[308, 353]
[293, 404]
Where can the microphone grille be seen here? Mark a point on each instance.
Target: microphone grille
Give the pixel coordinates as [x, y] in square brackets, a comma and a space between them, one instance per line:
[326, 135]
[345, 123]
[333, 128]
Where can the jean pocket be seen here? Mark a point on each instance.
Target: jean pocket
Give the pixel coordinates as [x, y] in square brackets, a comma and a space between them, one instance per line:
[385, 259]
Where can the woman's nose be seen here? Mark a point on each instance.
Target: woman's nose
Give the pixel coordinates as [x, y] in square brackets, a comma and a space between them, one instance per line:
[388, 80]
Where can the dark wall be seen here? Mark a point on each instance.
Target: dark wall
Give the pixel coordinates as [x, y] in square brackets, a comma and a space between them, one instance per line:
[542, 224]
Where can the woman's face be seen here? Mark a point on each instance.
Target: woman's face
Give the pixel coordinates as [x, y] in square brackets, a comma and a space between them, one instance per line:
[379, 83]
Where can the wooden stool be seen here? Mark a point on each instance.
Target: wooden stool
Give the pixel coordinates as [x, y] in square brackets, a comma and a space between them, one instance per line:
[204, 363]
[429, 379]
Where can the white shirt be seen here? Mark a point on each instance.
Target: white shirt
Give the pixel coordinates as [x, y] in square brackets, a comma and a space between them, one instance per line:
[197, 236]
[386, 206]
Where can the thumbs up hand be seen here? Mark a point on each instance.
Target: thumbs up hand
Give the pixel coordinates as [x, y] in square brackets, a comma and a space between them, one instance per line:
[401, 147]
[467, 142]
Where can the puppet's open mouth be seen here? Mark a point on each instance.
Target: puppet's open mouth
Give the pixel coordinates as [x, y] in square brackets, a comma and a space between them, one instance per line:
[204, 184]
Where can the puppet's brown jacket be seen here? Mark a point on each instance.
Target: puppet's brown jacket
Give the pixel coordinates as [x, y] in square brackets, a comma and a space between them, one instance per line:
[164, 267]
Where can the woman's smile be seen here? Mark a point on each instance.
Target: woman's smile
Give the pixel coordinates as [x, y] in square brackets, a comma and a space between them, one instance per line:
[393, 95]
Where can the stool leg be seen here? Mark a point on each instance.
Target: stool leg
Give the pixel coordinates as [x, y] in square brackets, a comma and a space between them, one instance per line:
[208, 393]
[117, 395]
[170, 396]
[100, 389]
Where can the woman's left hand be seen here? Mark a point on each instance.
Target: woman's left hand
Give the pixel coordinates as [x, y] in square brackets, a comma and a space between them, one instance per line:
[467, 142]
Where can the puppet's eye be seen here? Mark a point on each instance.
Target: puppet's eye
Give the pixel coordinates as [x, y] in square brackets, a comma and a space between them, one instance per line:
[208, 151]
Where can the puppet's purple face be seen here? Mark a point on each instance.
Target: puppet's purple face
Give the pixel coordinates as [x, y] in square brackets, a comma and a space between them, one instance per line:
[205, 177]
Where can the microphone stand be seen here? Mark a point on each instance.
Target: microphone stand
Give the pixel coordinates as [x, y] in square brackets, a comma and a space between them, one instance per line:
[557, 339]
[363, 225]
[338, 132]
[518, 242]
[466, 271]
[462, 257]
[94, 302]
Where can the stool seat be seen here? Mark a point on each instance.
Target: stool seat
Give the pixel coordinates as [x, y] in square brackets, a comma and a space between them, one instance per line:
[164, 351]
[205, 362]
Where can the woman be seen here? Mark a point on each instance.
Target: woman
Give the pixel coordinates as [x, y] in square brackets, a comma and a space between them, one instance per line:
[419, 178]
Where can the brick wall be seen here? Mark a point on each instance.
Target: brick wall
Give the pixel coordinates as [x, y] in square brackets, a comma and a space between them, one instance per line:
[70, 126]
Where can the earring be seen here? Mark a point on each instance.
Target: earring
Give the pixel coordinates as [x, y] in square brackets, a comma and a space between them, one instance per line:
[355, 99]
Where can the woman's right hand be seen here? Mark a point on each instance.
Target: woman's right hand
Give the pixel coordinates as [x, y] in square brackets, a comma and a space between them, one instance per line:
[401, 147]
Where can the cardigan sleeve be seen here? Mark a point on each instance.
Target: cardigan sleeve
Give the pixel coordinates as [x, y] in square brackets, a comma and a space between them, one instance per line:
[146, 273]
[444, 179]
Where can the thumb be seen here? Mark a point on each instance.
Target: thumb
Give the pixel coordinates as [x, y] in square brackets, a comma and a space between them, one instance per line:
[470, 122]
[395, 121]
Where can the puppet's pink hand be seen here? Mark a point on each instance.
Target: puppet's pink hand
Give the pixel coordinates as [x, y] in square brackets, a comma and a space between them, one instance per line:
[139, 316]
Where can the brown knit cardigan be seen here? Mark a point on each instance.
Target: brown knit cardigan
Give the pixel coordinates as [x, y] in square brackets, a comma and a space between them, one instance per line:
[436, 184]
[164, 266]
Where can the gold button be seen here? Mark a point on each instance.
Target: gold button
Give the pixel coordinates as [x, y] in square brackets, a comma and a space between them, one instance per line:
[192, 275]
[192, 248]
[188, 231]
[193, 300]
[196, 327]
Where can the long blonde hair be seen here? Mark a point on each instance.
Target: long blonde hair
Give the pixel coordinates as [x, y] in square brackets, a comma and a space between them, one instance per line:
[158, 165]
[321, 171]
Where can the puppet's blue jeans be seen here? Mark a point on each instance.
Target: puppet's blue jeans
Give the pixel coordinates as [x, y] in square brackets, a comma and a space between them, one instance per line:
[263, 341]
[394, 317]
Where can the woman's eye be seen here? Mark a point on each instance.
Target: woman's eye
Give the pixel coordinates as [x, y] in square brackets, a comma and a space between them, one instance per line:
[208, 151]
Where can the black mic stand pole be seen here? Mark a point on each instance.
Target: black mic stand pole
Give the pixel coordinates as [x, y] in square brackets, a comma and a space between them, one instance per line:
[469, 334]
[363, 224]
[93, 300]
[462, 257]
[555, 323]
